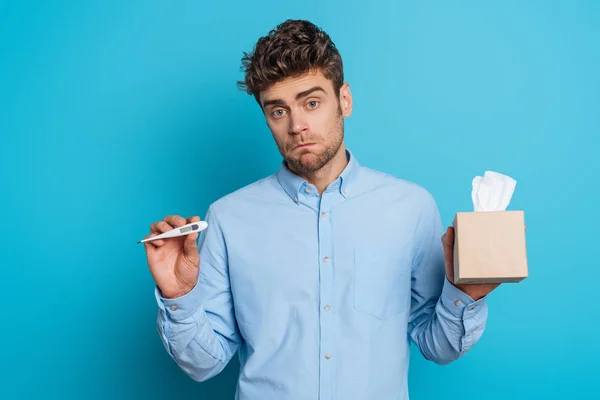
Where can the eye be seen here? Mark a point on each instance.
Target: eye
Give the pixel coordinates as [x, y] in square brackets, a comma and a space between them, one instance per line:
[278, 113]
[313, 104]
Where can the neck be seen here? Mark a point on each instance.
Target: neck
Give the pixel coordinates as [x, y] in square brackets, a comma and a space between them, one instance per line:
[329, 172]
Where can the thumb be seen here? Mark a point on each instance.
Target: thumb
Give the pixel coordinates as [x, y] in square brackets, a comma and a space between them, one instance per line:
[190, 247]
[448, 241]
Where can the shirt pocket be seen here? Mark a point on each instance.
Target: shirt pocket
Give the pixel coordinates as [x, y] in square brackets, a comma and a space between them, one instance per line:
[382, 281]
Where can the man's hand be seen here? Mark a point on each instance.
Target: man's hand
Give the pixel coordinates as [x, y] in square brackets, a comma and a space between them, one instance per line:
[475, 290]
[173, 262]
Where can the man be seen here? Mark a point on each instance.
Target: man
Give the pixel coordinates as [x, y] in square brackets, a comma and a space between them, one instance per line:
[320, 274]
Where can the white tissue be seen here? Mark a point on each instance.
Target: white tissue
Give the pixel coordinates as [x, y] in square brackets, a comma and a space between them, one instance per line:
[492, 192]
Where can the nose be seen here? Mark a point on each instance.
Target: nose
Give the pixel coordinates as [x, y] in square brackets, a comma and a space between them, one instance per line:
[298, 123]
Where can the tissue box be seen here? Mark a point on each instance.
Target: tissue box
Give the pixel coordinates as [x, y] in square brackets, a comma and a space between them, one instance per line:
[489, 247]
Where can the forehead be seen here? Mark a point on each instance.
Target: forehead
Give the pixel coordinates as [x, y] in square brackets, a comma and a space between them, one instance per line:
[287, 89]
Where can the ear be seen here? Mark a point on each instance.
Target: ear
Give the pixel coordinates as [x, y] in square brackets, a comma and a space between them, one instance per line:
[346, 100]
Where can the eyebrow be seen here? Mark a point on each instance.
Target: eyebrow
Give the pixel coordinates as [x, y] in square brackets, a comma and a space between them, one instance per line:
[280, 102]
[309, 91]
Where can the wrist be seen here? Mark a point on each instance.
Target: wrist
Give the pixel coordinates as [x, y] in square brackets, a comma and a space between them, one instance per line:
[171, 294]
[180, 304]
[475, 291]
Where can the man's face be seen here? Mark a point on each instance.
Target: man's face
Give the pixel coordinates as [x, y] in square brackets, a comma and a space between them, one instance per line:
[306, 119]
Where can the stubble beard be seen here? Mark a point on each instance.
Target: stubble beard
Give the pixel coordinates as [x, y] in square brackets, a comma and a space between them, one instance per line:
[306, 162]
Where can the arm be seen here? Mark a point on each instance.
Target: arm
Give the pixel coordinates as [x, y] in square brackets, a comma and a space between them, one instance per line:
[445, 322]
[198, 329]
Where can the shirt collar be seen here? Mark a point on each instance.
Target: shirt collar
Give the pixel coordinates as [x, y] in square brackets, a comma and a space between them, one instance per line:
[292, 183]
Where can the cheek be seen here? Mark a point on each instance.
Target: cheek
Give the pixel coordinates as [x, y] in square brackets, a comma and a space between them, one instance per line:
[327, 119]
[279, 135]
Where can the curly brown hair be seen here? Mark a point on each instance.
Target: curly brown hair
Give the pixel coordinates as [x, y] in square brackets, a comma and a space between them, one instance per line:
[293, 48]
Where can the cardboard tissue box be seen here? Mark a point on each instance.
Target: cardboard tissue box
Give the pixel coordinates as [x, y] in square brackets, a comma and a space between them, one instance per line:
[489, 242]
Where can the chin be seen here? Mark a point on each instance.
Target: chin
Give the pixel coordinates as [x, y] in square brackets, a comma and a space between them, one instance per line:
[305, 162]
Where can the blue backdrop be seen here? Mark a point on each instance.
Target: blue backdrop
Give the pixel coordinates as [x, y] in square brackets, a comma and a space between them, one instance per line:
[114, 114]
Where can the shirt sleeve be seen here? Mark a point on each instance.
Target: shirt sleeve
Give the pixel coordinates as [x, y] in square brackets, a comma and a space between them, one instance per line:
[444, 322]
[198, 329]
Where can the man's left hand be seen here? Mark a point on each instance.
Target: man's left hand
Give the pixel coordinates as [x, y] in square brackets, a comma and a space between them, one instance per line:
[475, 290]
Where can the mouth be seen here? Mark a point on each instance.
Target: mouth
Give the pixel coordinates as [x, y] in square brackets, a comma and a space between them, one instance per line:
[303, 146]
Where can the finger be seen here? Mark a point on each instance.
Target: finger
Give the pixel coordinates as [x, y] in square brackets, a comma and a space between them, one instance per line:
[149, 247]
[193, 219]
[153, 244]
[160, 227]
[174, 220]
[448, 237]
[450, 233]
[189, 246]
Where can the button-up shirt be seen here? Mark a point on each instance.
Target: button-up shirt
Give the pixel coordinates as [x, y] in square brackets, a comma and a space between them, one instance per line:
[320, 295]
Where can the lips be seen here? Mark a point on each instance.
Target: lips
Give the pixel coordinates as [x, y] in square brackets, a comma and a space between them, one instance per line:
[303, 146]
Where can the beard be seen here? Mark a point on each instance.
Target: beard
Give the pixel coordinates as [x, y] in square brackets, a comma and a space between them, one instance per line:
[308, 161]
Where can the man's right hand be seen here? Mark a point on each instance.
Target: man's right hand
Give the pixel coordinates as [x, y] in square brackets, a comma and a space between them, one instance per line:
[174, 262]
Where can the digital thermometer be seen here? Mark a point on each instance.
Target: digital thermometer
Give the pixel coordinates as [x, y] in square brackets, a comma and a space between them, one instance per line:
[180, 231]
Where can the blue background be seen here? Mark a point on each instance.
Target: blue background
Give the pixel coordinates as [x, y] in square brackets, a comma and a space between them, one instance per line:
[116, 113]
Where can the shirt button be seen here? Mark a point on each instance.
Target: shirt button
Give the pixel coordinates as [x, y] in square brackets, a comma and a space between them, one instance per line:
[173, 308]
[325, 259]
[308, 189]
[458, 302]
[323, 214]
[470, 308]
[327, 356]
[327, 307]
[346, 191]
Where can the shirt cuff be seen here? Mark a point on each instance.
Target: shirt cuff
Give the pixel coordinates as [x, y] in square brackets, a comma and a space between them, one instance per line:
[179, 308]
[457, 302]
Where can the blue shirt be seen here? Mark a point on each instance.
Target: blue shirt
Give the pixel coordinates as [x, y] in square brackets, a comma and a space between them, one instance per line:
[320, 295]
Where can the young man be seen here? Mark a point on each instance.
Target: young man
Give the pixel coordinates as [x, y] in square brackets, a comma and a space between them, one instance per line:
[320, 274]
